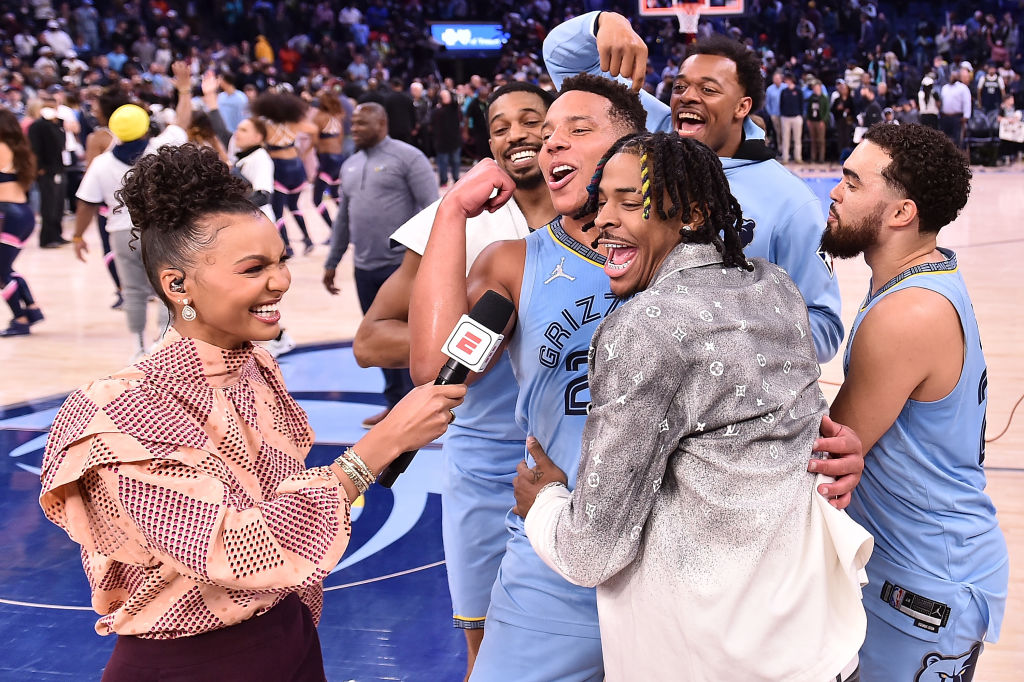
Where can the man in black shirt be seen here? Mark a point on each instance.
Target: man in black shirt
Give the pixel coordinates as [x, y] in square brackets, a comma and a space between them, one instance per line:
[46, 136]
[871, 110]
[401, 112]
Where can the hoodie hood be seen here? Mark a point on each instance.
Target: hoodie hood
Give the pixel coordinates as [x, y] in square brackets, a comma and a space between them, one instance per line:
[752, 149]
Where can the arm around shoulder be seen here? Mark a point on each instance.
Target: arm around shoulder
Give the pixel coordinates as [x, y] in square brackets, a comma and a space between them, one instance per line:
[571, 48]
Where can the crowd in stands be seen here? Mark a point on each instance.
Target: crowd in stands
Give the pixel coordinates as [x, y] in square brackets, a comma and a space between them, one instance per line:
[830, 51]
[835, 66]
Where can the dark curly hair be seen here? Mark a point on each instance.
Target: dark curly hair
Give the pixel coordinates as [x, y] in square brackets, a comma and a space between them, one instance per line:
[689, 172]
[927, 168]
[279, 107]
[168, 194]
[23, 159]
[748, 64]
[626, 107]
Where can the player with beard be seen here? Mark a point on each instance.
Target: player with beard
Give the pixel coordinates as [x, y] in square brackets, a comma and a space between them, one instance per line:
[916, 392]
[484, 443]
[717, 87]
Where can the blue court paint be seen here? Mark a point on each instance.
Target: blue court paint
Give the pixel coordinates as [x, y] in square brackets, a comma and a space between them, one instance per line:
[387, 614]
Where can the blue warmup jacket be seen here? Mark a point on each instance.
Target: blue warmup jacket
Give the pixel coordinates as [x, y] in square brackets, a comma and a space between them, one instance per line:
[783, 218]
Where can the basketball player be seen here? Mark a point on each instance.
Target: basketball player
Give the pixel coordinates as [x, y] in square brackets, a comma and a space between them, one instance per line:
[916, 392]
[484, 444]
[694, 507]
[561, 292]
[718, 86]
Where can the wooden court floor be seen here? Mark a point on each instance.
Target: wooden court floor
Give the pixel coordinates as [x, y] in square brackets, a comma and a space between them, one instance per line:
[82, 338]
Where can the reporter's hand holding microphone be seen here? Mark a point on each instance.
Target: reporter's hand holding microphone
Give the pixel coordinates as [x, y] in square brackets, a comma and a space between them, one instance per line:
[425, 413]
[419, 418]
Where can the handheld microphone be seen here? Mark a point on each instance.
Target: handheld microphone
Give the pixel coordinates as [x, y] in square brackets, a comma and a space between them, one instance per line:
[469, 348]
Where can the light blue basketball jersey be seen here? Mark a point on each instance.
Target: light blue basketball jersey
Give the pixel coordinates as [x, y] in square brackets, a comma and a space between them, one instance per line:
[922, 493]
[565, 294]
[490, 402]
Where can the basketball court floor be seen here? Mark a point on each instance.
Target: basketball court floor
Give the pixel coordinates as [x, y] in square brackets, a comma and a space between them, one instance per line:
[387, 614]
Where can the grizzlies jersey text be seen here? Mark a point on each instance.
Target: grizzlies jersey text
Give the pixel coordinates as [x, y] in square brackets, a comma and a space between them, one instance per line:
[565, 294]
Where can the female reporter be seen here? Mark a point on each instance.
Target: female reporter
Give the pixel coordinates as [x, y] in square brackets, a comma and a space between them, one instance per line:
[204, 537]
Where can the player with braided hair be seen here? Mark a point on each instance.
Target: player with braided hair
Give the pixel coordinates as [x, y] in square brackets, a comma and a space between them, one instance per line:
[668, 168]
[561, 291]
[706, 380]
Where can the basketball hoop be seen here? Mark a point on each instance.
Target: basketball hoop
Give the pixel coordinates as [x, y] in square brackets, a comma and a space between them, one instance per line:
[688, 14]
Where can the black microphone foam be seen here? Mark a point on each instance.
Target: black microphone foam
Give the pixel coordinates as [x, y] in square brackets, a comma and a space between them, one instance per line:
[492, 311]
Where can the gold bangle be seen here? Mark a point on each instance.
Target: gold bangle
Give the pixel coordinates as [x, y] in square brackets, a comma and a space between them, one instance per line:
[359, 464]
[360, 484]
[77, 240]
[355, 468]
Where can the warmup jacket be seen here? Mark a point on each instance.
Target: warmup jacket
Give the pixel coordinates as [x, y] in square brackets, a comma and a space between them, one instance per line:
[783, 221]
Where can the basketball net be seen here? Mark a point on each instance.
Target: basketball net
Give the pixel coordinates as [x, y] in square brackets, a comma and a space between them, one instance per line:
[688, 14]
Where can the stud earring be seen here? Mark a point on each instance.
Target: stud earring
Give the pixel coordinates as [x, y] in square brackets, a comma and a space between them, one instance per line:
[188, 313]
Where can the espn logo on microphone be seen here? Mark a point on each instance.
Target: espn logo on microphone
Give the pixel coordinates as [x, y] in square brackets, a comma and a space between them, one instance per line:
[472, 344]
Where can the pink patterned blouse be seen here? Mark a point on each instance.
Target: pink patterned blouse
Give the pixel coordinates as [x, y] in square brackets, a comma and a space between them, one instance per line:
[182, 478]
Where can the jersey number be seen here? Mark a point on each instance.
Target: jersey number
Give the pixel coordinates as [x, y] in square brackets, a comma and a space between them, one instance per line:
[982, 395]
[573, 363]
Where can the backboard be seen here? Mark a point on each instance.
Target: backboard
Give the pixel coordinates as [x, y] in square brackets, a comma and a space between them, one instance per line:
[671, 8]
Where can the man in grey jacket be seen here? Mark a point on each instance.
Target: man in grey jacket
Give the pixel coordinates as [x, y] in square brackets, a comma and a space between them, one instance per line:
[383, 184]
[692, 505]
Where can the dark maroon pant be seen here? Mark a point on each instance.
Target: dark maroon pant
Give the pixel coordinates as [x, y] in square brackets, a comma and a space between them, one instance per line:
[282, 644]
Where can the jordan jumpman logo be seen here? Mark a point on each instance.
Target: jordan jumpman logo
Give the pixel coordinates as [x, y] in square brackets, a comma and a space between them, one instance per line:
[559, 272]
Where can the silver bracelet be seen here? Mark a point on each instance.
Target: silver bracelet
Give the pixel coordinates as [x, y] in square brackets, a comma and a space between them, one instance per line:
[357, 461]
[551, 485]
[357, 480]
[355, 468]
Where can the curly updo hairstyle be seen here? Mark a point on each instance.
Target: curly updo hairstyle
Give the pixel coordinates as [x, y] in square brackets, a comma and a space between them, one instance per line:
[168, 195]
[685, 172]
